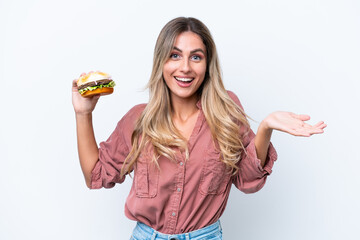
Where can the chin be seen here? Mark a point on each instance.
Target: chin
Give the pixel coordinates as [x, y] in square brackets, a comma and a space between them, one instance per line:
[184, 95]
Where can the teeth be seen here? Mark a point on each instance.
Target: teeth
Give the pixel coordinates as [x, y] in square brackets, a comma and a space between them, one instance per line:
[184, 79]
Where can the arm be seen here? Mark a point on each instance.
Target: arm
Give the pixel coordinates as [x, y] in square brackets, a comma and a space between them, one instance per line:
[86, 143]
[286, 122]
[262, 142]
[87, 147]
[252, 174]
[259, 156]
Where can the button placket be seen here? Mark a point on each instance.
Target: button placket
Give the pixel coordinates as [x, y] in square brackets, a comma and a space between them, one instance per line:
[177, 194]
[182, 178]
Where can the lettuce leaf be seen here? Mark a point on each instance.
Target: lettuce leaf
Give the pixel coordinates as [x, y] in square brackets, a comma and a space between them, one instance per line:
[109, 85]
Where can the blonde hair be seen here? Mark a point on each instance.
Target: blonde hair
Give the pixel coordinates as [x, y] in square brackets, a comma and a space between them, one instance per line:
[155, 127]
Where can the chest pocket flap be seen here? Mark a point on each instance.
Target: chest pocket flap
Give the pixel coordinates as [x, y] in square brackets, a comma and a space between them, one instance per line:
[215, 175]
[146, 177]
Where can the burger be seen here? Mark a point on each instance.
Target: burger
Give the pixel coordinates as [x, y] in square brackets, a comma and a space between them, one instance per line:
[95, 83]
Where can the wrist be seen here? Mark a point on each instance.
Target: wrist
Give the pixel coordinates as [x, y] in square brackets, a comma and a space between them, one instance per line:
[264, 125]
[82, 115]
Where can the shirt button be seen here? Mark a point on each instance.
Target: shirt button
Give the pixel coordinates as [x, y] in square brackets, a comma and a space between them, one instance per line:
[179, 189]
[181, 163]
[173, 214]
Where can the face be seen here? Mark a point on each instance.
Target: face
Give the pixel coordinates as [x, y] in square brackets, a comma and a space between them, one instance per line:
[185, 69]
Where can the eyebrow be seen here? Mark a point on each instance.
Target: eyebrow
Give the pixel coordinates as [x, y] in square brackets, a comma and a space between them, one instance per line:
[193, 51]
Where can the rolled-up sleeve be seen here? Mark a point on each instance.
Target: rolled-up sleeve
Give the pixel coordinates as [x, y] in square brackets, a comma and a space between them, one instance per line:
[251, 176]
[113, 152]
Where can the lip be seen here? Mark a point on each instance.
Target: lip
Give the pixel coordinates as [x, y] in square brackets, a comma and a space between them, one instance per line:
[184, 84]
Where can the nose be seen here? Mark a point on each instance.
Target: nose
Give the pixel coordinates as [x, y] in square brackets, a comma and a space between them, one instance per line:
[185, 66]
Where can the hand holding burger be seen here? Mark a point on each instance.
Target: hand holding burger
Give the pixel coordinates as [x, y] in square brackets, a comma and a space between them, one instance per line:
[87, 89]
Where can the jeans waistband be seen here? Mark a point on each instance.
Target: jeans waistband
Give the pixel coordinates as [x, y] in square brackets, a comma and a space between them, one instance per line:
[215, 227]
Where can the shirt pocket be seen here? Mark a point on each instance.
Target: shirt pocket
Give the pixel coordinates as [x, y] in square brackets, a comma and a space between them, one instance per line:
[215, 176]
[146, 177]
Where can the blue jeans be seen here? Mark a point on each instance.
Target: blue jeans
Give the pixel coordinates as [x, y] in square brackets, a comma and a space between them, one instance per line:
[144, 232]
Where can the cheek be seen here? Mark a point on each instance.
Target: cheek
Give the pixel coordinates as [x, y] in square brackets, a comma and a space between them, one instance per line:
[168, 68]
[201, 70]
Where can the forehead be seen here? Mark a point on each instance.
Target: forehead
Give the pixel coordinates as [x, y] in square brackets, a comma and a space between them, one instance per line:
[189, 41]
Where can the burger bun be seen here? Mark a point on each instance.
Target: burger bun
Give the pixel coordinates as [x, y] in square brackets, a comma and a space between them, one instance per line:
[99, 91]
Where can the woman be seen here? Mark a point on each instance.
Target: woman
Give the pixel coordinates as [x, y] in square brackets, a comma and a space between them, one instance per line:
[187, 146]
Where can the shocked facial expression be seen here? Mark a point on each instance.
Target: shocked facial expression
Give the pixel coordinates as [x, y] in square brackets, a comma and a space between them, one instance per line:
[185, 69]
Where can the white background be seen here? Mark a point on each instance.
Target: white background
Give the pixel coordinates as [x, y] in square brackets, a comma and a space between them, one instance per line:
[300, 56]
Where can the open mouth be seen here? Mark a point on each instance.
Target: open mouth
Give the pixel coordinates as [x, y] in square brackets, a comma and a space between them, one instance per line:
[184, 80]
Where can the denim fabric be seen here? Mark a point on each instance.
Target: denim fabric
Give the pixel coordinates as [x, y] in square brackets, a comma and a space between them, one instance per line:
[144, 232]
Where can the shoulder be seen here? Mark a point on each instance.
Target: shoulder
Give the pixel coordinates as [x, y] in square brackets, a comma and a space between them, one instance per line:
[129, 119]
[234, 98]
[135, 111]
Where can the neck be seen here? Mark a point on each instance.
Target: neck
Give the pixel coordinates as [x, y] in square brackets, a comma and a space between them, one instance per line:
[183, 109]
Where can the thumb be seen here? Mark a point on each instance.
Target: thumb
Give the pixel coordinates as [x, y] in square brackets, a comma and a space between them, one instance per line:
[74, 86]
[303, 117]
[74, 83]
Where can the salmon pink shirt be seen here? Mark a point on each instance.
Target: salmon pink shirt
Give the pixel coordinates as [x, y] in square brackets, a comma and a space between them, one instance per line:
[183, 195]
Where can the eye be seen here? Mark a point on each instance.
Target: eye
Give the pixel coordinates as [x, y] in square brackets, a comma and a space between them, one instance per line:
[196, 57]
[174, 56]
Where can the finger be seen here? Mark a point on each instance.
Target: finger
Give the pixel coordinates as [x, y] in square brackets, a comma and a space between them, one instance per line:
[297, 132]
[303, 117]
[317, 132]
[312, 130]
[305, 131]
[301, 134]
[319, 124]
[74, 85]
[93, 97]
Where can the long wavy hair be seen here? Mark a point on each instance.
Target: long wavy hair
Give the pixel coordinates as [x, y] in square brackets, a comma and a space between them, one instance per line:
[155, 127]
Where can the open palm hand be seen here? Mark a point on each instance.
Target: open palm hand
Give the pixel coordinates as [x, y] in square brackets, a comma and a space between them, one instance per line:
[294, 124]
